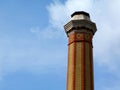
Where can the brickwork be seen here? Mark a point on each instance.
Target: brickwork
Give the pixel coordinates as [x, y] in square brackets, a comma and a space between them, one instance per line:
[80, 31]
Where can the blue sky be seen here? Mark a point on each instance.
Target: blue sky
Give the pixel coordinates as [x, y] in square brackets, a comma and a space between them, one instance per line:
[33, 44]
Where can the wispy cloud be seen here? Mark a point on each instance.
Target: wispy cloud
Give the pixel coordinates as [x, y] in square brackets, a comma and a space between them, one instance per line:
[105, 15]
[47, 33]
[106, 41]
[60, 12]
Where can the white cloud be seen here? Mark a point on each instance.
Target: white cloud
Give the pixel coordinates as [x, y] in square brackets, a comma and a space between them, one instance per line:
[59, 13]
[47, 33]
[105, 15]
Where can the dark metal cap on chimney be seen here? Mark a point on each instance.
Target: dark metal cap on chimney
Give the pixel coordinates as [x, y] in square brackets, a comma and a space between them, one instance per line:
[80, 12]
[80, 15]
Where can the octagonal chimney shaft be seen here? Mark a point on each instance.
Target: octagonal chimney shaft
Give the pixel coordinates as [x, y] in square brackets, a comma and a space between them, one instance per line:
[80, 31]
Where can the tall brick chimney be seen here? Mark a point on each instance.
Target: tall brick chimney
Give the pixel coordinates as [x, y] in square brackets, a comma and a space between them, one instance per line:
[80, 30]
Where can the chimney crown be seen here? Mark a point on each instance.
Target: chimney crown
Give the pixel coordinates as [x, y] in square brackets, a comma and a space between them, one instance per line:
[80, 15]
[80, 22]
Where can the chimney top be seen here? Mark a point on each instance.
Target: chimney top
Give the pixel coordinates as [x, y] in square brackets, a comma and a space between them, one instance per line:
[80, 12]
[80, 15]
[80, 21]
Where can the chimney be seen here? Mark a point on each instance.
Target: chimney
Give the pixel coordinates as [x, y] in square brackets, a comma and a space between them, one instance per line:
[80, 30]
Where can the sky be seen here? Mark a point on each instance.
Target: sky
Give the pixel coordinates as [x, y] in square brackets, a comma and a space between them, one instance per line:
[33, 43]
